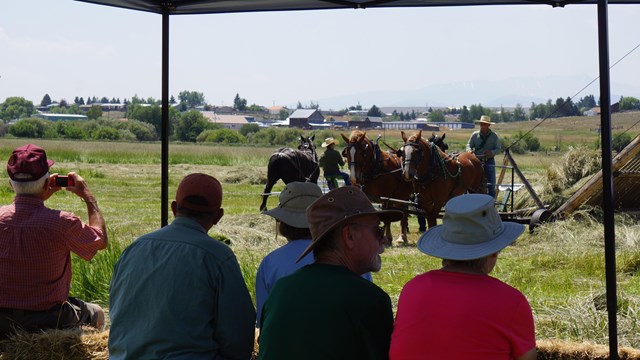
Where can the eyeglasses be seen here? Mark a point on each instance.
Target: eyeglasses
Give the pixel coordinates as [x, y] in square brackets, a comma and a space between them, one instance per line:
[377, 230]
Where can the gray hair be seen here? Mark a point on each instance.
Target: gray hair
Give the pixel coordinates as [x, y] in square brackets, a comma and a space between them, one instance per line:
[29, 187]
[475, 264]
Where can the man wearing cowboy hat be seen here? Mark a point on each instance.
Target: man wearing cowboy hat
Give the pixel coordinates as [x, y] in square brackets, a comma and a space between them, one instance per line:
[459, 311]
[486, 144]
[292, 223]
[331, 162]
[326, 310]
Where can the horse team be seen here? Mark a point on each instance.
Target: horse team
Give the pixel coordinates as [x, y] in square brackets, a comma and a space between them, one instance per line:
[419, 171]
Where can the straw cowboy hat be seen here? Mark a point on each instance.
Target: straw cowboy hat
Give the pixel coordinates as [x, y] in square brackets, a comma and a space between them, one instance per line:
[294, 200]
[337, 207]
[484, 119]
[471, 229]
[329, 141]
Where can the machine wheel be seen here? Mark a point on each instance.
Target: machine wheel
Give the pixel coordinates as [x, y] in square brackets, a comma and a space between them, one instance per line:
[540, 216]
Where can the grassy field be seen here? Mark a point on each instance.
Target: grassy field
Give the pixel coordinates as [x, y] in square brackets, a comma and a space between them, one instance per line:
[560, 268]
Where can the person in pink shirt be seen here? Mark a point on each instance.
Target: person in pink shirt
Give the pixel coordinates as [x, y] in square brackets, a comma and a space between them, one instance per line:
[36, 244]
[459, 311]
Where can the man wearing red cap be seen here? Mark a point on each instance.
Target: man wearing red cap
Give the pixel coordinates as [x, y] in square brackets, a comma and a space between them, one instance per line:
[35, 246]
[178, 293]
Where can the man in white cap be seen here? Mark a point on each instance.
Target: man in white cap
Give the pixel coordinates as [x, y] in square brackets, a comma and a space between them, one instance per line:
[331, 162]
[485, 143]
[459, 311]
[326, 310]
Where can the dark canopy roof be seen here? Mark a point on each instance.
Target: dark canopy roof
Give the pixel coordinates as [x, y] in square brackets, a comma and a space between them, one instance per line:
[235, 6]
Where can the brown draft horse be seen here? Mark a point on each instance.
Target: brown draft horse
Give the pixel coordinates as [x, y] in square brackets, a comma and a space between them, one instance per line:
[377, 172]
[436, 176]
[292, 165]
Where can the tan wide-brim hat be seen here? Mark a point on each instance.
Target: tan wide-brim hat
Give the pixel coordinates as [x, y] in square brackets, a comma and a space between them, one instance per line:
[337, 207]
[471, 229]
[484, 119]
[294, 200]
[329, 141]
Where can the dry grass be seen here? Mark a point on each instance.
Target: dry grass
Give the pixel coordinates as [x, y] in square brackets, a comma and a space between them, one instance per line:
[76, 344]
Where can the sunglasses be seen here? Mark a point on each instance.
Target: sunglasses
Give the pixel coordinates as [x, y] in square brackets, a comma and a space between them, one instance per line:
[377, 230]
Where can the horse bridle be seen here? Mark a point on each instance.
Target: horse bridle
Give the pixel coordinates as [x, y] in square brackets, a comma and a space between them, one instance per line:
[362, 146]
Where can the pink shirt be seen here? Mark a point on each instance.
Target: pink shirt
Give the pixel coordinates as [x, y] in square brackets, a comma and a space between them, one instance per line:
[448, 315]
[35, 246]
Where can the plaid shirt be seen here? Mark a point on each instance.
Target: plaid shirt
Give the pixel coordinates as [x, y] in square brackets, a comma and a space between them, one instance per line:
[35, 259]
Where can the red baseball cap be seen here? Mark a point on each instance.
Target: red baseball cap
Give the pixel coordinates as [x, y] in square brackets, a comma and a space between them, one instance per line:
[199, 192]
[28, 163]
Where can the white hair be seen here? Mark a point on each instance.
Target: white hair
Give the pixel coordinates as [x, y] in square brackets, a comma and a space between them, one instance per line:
[29, 187]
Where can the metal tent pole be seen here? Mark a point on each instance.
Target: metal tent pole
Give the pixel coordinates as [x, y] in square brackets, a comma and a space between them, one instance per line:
[164, 196]
[607, 179]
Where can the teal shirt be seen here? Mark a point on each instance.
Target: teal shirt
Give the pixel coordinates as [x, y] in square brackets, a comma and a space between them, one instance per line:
[176, 293]
[326, 312]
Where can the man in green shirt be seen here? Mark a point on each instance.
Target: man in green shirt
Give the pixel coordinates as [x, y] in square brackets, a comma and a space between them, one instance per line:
[325, 310]
[331, 162]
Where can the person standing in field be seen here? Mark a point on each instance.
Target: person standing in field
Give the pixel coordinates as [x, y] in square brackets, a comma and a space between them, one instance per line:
[35, 248]
[326, 310]
[176, 292]
[485, 144]
[459, 311]
[331, 162]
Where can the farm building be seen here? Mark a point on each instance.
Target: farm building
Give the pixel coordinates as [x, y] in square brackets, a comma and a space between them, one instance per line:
[59, 117]
[370, 122]
[454, 125]
[304, 118]
[233, 122]
[410, 125]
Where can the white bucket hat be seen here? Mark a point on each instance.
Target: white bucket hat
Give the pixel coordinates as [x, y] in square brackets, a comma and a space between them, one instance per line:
[471, 229]
[294, 200]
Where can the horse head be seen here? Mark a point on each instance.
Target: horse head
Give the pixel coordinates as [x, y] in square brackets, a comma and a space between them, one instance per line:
[415, 154]
[439, 141]
[360, 155]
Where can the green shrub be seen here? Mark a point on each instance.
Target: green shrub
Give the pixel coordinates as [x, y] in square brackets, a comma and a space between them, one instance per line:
[620, 141]
[31, 128]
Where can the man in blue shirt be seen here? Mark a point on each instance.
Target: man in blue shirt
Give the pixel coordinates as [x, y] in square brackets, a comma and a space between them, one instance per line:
[177, 293]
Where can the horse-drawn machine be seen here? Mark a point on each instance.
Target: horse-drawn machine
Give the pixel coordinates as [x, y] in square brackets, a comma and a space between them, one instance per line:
[420, 177]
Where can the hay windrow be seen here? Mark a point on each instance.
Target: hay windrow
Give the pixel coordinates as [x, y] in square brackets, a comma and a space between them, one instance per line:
[74, 344]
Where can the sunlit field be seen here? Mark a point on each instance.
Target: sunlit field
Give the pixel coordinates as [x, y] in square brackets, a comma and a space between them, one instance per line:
[560, 267]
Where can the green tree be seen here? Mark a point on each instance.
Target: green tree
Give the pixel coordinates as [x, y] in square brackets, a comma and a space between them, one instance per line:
[629, 103]
[15, 108]
[190, 125]
[221, 136]
[247, 129]
[465, 116]
[375, 111]
[283, 114]
[519, 114]
[239, 103]
[94, 112]
[151, 115]
[46, 100]
[476, 111]
[30, 128]
[192, 99]
[436, 116]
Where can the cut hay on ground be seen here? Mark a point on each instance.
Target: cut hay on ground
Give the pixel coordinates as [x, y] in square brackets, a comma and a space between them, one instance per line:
[87, 344]
[75, 344]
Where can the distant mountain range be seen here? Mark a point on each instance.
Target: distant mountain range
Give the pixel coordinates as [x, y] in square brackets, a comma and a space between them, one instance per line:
[489, 93]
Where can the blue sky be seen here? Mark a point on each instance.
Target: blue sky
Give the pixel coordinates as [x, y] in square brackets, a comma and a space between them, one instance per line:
[67, 48]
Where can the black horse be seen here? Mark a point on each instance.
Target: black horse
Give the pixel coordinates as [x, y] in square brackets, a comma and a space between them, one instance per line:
[292, 165]
[439, 141]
